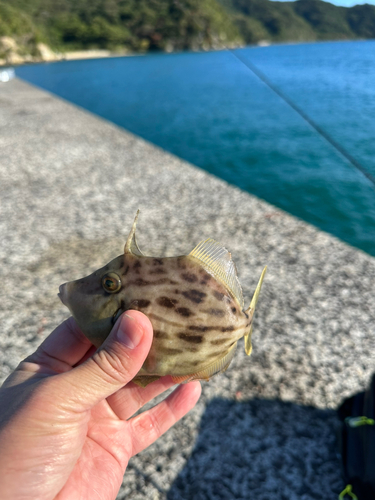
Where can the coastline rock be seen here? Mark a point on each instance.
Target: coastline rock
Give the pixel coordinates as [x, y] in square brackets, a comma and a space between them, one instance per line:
[8, 44]
[46, 53]
[9, 50]
[85, 54]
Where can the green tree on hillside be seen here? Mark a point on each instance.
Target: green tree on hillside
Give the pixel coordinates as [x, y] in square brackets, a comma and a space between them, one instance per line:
[361, 20]
[327, 20]
[141, 25]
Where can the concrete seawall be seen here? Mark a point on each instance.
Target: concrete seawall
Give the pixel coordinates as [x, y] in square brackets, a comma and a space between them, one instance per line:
[70, 184]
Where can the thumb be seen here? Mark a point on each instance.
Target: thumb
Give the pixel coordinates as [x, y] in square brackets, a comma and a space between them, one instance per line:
[113, 365]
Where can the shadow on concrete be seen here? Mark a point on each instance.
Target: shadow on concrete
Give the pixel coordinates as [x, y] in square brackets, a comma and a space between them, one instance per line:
[262, 450]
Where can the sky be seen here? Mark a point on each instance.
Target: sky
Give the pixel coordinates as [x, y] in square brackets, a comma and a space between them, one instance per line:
[347, 3]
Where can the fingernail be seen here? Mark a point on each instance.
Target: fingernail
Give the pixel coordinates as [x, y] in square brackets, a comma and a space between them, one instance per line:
[129, 332]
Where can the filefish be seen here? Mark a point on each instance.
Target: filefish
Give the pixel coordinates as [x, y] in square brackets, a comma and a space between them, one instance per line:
[194, 303]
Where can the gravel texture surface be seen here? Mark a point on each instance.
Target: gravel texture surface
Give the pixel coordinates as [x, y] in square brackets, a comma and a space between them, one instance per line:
[70, 185]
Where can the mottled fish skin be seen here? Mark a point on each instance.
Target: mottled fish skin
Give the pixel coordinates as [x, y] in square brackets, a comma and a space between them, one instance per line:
[195, 317]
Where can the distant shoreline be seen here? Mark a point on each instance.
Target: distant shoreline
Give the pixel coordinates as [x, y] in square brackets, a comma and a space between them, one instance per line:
[47, 55]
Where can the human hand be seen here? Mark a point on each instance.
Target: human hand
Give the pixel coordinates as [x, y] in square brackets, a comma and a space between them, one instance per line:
[65, 426]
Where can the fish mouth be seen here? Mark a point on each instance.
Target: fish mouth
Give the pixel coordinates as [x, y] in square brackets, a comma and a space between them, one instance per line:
[116, 315]
[61, 294]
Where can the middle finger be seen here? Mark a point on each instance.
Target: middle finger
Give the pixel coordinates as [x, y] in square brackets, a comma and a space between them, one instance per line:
[128, 400]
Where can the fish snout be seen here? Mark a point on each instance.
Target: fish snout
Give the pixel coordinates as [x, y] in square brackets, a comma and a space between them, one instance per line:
[62, 293]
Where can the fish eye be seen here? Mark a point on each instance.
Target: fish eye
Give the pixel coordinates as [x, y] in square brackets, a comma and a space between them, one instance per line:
[111, 283]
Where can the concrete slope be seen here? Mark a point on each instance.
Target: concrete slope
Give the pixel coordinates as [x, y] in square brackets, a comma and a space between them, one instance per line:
[70, 185]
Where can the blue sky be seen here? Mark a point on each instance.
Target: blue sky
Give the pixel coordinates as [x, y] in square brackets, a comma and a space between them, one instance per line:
[347, 3]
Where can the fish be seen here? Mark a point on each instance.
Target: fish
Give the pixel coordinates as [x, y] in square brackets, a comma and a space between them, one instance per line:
[194, 302]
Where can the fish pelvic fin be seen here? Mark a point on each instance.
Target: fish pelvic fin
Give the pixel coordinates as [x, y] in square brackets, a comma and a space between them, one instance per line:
[131, 243]
[250, 312]
[144, 380]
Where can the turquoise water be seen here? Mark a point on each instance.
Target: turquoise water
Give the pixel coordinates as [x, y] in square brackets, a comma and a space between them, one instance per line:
[211, 110]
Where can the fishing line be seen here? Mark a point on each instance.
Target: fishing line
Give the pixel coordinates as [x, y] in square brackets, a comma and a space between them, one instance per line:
[300, 111]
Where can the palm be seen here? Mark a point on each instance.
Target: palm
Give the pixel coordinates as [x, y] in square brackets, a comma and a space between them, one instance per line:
[109, 440]
[101, 465]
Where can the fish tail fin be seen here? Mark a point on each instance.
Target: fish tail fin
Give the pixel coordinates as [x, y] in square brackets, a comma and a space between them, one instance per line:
[250, 312]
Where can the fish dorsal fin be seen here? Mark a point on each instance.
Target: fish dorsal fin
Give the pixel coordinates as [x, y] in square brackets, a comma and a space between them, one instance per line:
[218, 261]
[131, 243]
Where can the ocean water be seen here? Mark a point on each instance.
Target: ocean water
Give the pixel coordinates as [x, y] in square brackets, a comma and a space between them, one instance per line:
[212, 110]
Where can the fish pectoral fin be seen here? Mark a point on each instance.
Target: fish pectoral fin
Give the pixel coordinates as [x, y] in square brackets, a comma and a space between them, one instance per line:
[131, 243]
[247, 338]
[218, 261]
[218, 366]
[144, 380]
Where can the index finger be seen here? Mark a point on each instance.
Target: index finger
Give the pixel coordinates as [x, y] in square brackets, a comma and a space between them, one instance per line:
[63, 348]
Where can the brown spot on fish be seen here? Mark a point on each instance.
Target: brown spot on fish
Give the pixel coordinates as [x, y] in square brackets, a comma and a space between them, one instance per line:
[141, 303]
[169, 350]
[191, 348]
[218, 295]
[158, 334]
[126, 271]
[227, 328]
[181, 262]
[195, 363]
[158, 270]
[216, 312]
[184, 311]
[195, 296]
[218, 341]
[166, 302]
[142, 282]
[195, 339]
[139, 282]
[158, 262]
[189, 277]
[234, 310]
[137, 266]
[201, 328]
[205, 280]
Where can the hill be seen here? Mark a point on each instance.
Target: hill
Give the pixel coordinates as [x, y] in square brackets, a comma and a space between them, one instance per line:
[303, 20]
[28, 26]
[135, 25]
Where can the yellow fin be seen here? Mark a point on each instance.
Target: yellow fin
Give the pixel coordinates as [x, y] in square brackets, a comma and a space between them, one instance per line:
[143, 380]
[247, 338]
[218, 366]
[255, 298]
[182, 379]
[131, 243]
[218, 261]
[250, 312]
